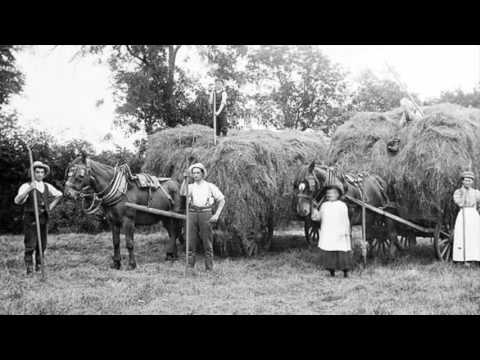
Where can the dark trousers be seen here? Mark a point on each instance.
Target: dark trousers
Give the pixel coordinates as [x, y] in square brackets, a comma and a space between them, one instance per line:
[200, 228]
[222, 125]
[31, 243]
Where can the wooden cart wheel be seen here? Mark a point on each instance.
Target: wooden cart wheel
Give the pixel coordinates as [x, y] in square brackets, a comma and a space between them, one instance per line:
[312, 232]
[250, 245]
[379, 247]
[443, 244]
[408, 241]
[267, 237]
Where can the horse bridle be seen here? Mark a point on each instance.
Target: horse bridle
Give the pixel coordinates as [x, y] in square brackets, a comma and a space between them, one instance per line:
[97, 198]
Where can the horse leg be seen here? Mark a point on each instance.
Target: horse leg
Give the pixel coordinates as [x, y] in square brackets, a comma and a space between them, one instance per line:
[172, 229]
[117, 263]
[129, 231]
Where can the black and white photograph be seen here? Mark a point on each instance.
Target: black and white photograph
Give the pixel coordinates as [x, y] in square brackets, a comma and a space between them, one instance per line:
[240, 179]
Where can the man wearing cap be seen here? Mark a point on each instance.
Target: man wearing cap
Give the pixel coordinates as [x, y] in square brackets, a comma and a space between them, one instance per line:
[202, 196]
[467, 248]
[44, 192]
[220, 104]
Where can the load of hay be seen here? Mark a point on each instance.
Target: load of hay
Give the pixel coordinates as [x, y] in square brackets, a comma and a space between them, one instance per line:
[432, 153]
[254, 169]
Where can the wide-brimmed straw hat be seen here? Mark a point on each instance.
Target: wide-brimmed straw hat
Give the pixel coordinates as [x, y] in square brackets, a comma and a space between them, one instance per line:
[39, 164]
[198, 166]
[337, 187]
[468, 175]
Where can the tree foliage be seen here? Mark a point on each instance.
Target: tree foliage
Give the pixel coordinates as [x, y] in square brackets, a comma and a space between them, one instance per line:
[458, 96]
[11, 79]
[298, 86]
[375, 94]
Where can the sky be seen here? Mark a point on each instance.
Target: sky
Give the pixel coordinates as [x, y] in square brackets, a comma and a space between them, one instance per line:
[61, 93]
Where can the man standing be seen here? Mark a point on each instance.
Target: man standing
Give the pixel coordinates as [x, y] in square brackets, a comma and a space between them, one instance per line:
[220, 104]
[44, 191]
[202, 196]
[410, 112]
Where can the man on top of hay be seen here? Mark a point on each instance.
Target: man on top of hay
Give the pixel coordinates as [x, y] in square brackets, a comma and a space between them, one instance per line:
[220, 105]
[202, 196]
[410, 112]
[44, 192]
[466, 246]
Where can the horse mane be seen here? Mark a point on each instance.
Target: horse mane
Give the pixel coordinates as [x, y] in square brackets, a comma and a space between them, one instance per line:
[101, 168]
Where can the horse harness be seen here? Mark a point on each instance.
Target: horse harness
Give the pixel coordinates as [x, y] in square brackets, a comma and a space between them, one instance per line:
[347, 180]
[113, 192]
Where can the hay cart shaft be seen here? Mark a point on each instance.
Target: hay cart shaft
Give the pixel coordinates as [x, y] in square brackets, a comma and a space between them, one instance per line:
[442, 239]
[156, 211]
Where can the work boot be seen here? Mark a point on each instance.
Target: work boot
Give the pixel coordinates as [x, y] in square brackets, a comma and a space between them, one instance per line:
[332, 272]
[171, 257]
[29, 269]
[29, 263]
[191, 261]
[208, 264]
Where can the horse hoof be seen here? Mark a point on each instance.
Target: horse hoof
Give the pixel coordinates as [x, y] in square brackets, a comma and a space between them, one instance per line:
[116, 265]
[132, 266]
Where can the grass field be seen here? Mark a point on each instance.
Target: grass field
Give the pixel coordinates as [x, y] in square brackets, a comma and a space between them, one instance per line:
[286, 280]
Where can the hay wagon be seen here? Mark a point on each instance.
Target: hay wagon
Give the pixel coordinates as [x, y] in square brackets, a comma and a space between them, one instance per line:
[409, 226]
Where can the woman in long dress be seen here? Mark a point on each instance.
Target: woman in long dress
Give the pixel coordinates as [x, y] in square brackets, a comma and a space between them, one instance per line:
[467, 248]
[335, 238]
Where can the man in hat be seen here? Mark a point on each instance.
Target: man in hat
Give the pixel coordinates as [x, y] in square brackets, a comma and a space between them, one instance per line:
[44, 192]
[220, 104]
[466, 246]
[202, 196]
[410, 112]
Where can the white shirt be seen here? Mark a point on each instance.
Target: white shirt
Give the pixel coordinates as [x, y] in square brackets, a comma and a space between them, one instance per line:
[335, 227]
[40, 186]
[204, 194]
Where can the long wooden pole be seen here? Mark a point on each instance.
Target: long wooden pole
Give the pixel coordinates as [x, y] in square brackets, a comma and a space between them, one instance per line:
[214, 117]
[393, 217]
[404, 88]
[187, 223]
[364, 236]
[37, 218]
[464, 227]
[155, 211]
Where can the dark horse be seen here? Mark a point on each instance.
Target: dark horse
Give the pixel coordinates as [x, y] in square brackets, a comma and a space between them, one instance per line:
[110, 188]
[310, 185]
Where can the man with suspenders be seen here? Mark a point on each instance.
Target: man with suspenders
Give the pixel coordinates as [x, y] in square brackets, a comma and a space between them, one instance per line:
[44, 192]
[202, 196]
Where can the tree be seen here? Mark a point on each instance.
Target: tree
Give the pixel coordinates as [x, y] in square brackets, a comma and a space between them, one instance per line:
[374, 94]
[458, 96]
[11, 79]
[298, 86]
[147, 93]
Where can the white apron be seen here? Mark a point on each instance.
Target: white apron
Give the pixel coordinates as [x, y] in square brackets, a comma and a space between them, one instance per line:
[335, 227]
[472, 236]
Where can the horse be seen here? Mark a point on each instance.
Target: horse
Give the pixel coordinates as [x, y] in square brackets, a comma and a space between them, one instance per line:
[310, 184]
[110, 188]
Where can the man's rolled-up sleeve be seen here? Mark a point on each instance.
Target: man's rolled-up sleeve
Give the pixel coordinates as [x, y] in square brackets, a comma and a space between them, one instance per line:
[54, 191]
[216, 193]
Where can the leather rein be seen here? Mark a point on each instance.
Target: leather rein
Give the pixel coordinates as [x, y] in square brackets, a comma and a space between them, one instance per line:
[98, 198]
[332, 174]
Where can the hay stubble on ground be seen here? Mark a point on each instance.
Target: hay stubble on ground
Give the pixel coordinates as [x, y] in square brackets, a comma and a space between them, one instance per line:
[285, 281]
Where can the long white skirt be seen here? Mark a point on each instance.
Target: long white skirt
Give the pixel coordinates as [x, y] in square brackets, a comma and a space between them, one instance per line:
[472, 236]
